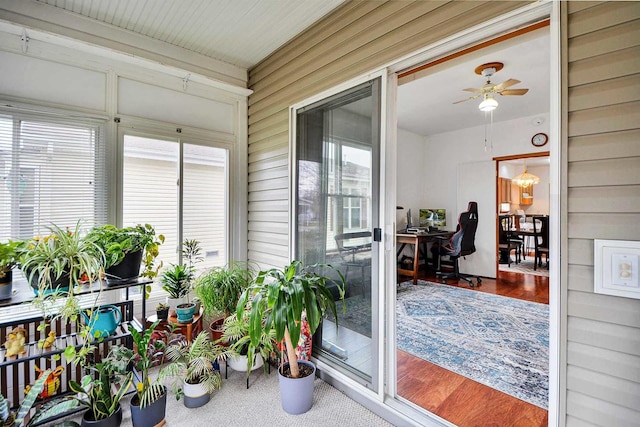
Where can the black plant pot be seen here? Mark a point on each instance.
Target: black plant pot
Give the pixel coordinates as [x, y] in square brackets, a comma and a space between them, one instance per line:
[151, 415]
[6, 284]
[163, 314]
[126, 271]
[112, 421]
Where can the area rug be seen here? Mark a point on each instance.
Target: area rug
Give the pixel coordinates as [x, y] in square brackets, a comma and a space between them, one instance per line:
[497, 341]
[525, 267]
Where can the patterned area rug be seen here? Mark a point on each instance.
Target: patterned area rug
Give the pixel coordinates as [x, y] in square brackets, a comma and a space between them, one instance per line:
[497, 341]
[526, 267]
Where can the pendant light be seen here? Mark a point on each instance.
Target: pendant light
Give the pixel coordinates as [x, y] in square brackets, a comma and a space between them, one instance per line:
[525, 179]
[488, 104]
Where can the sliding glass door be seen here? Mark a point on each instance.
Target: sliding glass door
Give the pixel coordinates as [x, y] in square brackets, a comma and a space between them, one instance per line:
[336, 211]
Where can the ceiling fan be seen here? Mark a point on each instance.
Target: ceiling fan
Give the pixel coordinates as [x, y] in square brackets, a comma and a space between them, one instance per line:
[488, 90]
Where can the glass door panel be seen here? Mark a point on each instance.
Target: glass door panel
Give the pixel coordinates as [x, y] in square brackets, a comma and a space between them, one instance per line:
[337, 209]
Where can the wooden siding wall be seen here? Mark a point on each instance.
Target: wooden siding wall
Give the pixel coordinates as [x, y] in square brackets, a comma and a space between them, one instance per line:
[603, 348]
[356, 38]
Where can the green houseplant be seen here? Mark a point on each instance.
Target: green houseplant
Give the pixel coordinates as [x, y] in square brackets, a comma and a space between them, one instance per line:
[249, 356]
[193, 364]
[219, 289]
[176, 281]
[278, 300]
[99, 396]
[126, 248]
[8, 259]
[148, 405]
[61, 260]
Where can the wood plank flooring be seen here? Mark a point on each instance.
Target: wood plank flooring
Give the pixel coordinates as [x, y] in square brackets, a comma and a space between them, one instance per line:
[463, 401]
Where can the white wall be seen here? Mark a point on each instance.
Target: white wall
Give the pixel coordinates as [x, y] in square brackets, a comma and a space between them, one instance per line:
[412, 177]
[433, 180]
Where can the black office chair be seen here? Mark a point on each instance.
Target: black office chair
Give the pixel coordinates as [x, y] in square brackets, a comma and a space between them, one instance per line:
[461, 244]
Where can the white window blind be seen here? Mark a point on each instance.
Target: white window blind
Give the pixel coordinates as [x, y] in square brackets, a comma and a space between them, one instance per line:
[52, 171]
[152, 195]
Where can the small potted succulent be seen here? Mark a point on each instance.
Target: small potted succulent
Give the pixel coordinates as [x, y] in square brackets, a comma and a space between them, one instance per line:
[162, 311]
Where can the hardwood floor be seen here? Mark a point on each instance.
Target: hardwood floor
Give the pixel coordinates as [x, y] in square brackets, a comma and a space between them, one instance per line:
[463, 401]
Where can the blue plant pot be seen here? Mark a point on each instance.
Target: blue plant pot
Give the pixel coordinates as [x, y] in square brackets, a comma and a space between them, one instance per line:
[185, 312]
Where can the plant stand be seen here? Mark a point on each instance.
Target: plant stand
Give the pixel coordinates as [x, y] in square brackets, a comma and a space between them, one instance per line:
[226, 370]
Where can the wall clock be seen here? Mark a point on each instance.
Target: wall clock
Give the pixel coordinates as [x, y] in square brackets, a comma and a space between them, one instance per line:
[539, 139]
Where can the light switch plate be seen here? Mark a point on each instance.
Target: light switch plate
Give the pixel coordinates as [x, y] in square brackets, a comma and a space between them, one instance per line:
[616, 268]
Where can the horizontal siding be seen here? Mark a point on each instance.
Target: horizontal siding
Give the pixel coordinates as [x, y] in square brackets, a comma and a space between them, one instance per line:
[600, 386]
[612, 145]
[357, 37]
[601, 335]
[587, 410]
[597, 360]
[603, 202]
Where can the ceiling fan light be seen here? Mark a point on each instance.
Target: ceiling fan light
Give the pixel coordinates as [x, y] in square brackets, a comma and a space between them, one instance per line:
[488, 104]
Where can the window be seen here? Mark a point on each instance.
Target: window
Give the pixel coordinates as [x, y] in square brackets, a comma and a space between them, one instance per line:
[193, 207]
[52, 171]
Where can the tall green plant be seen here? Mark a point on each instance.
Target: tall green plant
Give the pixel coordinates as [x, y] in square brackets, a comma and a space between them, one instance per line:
[147, 391]
[220, 288]
[177, 281]
[278, 299]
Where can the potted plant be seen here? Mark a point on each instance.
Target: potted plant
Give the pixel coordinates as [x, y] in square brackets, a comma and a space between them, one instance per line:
[98, 395]
[60, 261]
[219, 290]
[8, 259]
[278, 300]
[193, 364]
[162, 311]
[126, 249]
[248, 356]
[176, 281]
[148, 405]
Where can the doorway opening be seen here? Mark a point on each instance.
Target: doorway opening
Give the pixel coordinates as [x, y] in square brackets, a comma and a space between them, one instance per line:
[445, 152]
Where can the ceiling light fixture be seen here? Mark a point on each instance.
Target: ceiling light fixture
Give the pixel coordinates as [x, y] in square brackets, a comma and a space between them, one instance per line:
[488, 104]
[525, 179]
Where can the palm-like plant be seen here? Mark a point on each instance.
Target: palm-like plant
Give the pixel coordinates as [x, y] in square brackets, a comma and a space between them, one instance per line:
[279, 298]
[236, 332]
[145, 353]
[193, 362]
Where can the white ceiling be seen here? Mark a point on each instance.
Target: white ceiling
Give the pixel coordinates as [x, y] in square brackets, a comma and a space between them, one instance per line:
[239, 32]
[425, 105]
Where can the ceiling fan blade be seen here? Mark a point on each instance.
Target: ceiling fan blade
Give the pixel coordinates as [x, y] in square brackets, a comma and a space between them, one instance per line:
[513, 91]
[505, 84]
[472, 89]
[467, 99]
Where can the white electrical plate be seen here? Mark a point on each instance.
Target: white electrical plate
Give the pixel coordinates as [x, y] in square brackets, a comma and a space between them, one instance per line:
[616, 268]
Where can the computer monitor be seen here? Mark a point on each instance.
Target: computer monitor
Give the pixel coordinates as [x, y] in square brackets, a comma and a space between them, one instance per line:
[433, 217]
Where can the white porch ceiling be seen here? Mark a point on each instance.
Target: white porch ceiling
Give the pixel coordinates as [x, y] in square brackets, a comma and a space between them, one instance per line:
[238, 32]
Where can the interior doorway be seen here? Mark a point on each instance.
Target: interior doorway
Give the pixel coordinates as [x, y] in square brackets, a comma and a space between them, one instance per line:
[451, 144]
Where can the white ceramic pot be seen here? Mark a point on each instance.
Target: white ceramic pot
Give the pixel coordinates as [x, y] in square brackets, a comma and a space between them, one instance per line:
[195, 395]
[239, 363]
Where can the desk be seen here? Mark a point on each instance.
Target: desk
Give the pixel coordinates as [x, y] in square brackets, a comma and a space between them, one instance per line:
[418, 241]
[189, 330]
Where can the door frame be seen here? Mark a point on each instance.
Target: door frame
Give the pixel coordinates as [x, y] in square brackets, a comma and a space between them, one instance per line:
[497, 202]
[557, 331]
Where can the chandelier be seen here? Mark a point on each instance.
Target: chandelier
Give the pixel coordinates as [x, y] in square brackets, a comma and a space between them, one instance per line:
[525, 179]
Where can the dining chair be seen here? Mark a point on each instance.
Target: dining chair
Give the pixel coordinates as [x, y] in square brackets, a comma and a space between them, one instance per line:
[541, 240]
